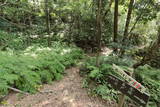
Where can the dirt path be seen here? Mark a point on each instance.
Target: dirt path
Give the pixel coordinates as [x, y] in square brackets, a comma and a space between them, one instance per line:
[67, 92]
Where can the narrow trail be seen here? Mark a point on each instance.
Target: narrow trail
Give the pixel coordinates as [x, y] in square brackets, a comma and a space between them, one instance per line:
[67, 92]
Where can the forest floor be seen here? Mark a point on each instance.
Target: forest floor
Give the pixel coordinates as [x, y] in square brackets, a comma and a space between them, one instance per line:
[67, 92]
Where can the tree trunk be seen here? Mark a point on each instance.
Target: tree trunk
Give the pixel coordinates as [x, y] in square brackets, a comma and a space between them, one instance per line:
[48, 21]
[137, 19]
[78, 23]
[105, 14]
[115, 23]
[99, 30]
[134, 25]
[130, 8]
[29, 33]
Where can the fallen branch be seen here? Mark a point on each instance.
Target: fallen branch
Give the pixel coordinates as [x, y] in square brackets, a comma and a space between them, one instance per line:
[17, 90]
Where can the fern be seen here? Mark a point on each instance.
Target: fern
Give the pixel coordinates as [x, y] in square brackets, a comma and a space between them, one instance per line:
[98, 75]
[105, 92]
[150, 78]
[3, 88]
[12, 40]
[30, 68]
[28, 81]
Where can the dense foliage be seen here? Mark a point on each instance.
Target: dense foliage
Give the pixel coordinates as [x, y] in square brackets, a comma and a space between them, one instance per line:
[148, 76]
[98, 75]
[40, 38]
[28, 69]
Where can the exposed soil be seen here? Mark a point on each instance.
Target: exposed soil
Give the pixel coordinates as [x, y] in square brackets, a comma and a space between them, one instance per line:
[67, 92]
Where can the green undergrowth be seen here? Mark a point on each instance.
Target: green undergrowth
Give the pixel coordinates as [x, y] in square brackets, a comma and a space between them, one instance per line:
[28, 69]
[12, 40]
[95, 77]
[150, 78]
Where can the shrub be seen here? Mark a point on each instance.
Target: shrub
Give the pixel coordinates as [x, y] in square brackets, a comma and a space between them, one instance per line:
[150, 78]
[98, 75]
[11, 40]
[30, 68]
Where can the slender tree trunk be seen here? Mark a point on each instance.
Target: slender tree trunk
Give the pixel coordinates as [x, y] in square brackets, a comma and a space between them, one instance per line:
[137, 19]
[78, 23]
[158, 40]
[29, 34]
[48, 21]
[134, 25]
[130, 8]
[99, 30]
[106, 13]
[115, 23]
[128, 20]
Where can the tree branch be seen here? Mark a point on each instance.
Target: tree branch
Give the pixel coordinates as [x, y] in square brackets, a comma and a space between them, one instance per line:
[17, 90]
